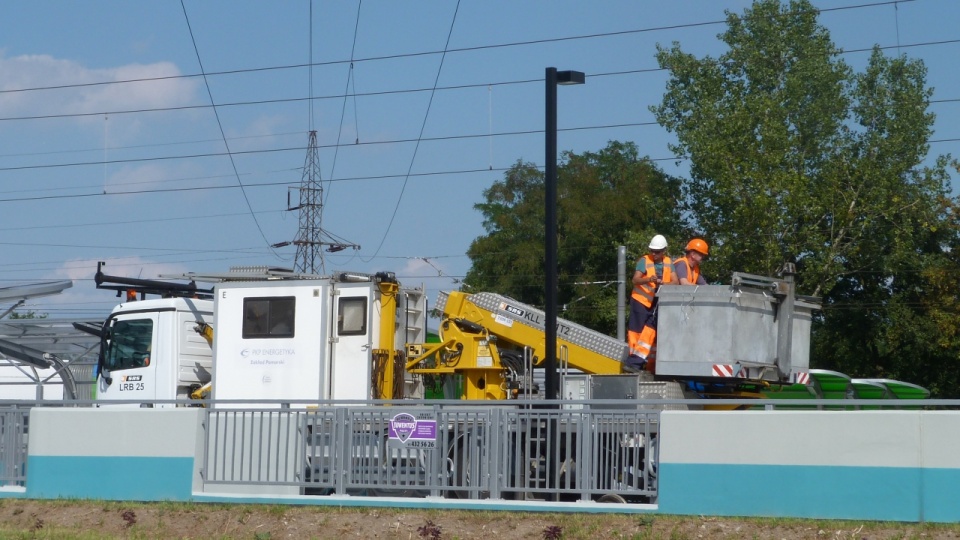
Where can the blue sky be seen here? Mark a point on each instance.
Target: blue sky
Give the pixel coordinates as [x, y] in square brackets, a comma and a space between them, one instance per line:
[137, 174]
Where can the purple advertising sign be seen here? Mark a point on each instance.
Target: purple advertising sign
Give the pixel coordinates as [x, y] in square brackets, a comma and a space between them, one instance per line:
[417, 431]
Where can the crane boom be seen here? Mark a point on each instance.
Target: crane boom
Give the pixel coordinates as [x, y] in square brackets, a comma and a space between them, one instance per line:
[521, 325]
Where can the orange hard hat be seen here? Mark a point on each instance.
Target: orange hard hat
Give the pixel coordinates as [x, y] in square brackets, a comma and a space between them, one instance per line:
[697, 244]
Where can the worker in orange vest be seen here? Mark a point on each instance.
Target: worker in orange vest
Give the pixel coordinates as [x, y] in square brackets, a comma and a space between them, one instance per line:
[687, 267]
[652, 270]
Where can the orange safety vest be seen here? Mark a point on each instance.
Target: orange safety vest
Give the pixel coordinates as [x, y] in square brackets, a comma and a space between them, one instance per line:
[644, 293]
[693, 274]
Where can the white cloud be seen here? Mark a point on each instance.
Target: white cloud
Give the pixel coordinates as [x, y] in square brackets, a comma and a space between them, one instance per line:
[44, 71]
[421, 268]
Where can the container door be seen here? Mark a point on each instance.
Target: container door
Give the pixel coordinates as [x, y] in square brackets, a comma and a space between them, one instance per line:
[351, 342]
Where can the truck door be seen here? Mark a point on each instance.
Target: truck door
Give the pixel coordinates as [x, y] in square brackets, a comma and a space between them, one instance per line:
[351, 342]
[127, 370]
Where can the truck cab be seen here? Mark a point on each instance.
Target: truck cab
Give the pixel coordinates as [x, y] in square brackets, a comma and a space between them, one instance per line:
[151, 350]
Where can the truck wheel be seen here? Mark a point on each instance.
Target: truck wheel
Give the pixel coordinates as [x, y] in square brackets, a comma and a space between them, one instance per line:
[611, 498]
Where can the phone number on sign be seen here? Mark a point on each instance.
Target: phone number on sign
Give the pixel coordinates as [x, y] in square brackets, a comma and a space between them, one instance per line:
[422, 444]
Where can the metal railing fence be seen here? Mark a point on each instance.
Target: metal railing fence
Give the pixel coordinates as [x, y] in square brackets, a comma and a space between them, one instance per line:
[599, 449]
[448, 450]
[13, 445]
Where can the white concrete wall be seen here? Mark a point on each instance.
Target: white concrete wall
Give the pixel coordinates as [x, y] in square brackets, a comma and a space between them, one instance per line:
[888, 465]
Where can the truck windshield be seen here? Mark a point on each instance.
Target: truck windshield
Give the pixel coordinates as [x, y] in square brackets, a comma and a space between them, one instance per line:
[129, 345]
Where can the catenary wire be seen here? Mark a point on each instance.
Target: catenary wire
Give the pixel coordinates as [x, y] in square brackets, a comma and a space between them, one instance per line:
[423, 126]
[223, 134]
[427, 53]
[402, 91]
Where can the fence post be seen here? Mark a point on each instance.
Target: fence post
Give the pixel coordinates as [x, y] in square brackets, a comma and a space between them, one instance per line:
[496, 442]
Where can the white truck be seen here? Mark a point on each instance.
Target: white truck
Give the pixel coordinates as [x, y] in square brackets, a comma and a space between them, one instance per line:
[278, 336]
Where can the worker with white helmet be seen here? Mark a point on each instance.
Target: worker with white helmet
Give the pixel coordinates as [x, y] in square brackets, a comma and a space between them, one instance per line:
[653, 269]
[687, 267]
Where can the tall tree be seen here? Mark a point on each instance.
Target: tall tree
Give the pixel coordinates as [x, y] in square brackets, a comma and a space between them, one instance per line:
[605, 199]
[795, 158]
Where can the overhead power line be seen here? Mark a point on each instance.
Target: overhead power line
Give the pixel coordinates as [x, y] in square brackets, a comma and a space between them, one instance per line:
[395, 92]
[383, 142]
[358, 60]
[353, 144]
[248, 184]
[283, 182]
[343, 106]
[223, 134]
[303, 148]
[423, 126]
[435, 52]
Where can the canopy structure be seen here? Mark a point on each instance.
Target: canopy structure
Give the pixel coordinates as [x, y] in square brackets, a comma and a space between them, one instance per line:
[69, 348]
[33, 341]
[832, 384]
[49, 349]
[21, 293]
[38, 341]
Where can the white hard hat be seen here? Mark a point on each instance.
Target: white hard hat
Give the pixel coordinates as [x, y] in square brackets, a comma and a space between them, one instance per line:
[658, 242]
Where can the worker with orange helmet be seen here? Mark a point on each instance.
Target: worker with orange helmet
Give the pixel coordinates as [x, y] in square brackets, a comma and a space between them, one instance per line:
[652, 270]
[687, 267]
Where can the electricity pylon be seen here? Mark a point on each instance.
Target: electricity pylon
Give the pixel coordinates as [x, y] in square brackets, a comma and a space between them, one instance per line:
[311, 239]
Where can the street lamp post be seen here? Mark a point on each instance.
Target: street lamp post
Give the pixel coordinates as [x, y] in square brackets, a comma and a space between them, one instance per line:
[553, 79]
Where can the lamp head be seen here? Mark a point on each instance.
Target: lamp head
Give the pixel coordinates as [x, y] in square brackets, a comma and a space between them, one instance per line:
[570, 77]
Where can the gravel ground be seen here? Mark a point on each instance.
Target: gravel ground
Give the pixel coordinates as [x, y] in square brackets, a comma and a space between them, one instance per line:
[21, 518]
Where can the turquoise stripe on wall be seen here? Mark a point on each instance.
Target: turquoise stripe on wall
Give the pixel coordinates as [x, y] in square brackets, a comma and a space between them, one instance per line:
[941, 495]
[110, 478]
[877, 493]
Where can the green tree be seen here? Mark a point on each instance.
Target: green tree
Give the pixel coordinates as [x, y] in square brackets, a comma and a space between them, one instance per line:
[794, 157]
[604, 199]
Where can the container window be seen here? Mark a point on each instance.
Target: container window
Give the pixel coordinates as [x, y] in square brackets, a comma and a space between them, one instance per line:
[271, 317]
[352, 320]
